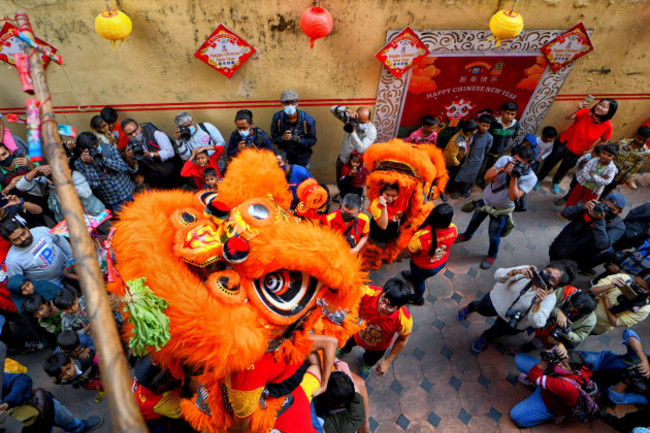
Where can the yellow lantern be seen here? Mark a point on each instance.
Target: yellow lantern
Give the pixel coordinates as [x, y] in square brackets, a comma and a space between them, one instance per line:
[506, 24]
[113, 25]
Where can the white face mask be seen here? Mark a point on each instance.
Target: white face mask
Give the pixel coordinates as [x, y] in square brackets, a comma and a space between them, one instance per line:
[362, 126]
[245, 133]
[290, 109]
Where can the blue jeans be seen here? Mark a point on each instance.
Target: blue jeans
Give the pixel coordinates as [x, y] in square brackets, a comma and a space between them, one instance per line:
[494, 229]
[525, 362]
[531, 411]
[419, 276]
[65, 420]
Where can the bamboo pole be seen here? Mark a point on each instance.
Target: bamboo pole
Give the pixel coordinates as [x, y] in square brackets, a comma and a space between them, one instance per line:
[125, 415]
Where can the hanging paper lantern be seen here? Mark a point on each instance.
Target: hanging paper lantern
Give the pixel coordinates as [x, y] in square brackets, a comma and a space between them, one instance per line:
[316, 23]
[113, 25]
[506, 24]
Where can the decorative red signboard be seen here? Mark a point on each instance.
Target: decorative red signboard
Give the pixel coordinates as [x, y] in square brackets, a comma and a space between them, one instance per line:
[224, 51]
[10, 45]
[399, 54]
[457, 87]
[567, 47]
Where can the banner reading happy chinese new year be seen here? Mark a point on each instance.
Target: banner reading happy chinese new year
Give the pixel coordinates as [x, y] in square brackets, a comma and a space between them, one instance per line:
[10, 45]
[567, 47]
[224, 51]
[399, 54]
[454, 88]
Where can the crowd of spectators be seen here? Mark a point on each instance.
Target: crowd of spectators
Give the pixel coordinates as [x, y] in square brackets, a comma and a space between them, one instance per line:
[121, 158]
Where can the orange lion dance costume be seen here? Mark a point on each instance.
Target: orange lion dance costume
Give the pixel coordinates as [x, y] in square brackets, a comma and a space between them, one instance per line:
[422, 176]
[243, 279]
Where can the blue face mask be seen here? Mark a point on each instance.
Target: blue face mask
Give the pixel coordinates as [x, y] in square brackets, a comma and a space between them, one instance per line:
[192, 129]
[362, 126]
[290, 109]
[245, 133]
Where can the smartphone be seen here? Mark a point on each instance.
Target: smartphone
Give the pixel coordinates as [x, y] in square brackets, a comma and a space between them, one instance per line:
[589, 99]
[628, 292]
[537, 280]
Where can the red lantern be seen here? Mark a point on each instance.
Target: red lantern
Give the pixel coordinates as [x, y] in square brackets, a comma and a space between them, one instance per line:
[316, 23]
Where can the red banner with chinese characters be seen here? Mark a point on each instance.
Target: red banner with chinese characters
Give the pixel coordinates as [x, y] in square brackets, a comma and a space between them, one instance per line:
[452, 88]
[567, 47]
[224, 51]
[10, 45]
[399, 54]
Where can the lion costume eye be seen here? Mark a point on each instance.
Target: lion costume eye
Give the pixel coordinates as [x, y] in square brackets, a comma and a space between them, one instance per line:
[285, 292]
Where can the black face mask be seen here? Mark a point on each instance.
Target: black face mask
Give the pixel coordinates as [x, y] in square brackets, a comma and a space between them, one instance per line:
[7, 161]
[346, 216]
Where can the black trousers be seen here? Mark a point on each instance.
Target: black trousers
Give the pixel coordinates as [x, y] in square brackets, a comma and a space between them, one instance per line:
[564, 156]
[484, 307]
[370, 357]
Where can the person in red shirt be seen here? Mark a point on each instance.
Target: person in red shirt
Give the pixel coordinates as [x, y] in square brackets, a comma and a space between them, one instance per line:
[590, 127]
[430, 248]
[387, 211]
[385, 315]
[199, 161]
[557, 387]
[352, 224]
[110, 116]
[353, 176]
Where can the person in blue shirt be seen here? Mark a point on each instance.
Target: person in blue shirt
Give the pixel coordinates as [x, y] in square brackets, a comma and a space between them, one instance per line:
[295, 174]
[247, 135]
[293, 130]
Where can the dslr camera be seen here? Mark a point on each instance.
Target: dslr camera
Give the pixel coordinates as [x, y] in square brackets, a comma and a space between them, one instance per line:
[600, 208]
[186, 135]
[519, 169]
[550, 357]
[559, 332]
[138, 151]
[635, 380]
[248, 142]
[96, 154]
[514, 317]
[295, 134]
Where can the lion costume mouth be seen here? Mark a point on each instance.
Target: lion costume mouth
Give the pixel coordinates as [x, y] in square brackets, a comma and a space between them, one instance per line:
[286, 293]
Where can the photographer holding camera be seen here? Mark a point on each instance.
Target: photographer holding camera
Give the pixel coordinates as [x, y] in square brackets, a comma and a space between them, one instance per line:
[360, 132]
[509, 179]
[246, 135]
[520, 299]
[293, 130]
[594, 228]
[564, 387]
[350, 222]
[106, 173]
[623, 301]
[190, 135]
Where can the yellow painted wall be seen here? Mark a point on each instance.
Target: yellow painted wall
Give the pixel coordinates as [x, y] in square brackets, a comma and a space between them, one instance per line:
[156, 64]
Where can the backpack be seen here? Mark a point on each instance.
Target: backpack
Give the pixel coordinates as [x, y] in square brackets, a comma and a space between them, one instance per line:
[587, 408]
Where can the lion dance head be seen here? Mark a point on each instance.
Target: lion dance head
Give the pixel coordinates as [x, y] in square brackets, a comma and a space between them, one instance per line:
[242, 276]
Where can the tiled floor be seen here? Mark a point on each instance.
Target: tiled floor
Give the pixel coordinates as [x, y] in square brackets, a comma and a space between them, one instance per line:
[437, 384]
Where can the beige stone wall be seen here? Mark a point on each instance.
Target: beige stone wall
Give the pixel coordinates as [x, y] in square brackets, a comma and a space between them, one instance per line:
[156, 64]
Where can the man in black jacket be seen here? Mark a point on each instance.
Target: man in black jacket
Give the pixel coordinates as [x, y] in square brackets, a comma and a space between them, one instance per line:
[593, 230]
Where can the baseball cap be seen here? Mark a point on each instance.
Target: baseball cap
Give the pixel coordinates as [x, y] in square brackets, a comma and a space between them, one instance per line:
[289, 95]
[617, 199]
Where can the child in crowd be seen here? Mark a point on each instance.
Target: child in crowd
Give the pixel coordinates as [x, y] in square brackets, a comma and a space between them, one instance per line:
[75, 345]
[20, 288]
[504, 130]
[481, 143]
[387, 211]
[211, 179]
[594, 176]
[457, 148]
[141, 184]
[67, 370]
[544, 146]
[529, 141]
[48, 316]
[632, 154]
[584, 159]
[427, 134]
[103, 132]
[199, 161]
[353, 176]
[73, 312]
